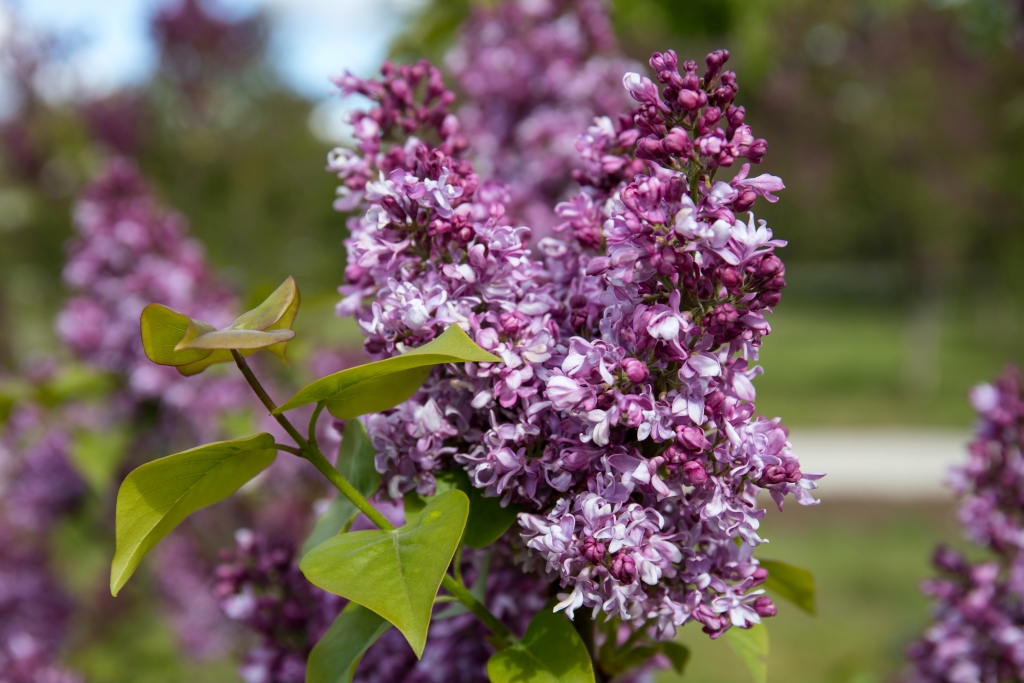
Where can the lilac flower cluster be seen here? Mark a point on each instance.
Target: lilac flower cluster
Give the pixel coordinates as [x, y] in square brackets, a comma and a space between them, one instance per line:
[621, 416]
[128, 252]
[37, 486]
[535, 74]
[978, 634]
[260, 585]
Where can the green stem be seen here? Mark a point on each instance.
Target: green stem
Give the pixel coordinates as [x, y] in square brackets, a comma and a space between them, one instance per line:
[462, 594]
[310, 452]
[312, 424]
[288, 449]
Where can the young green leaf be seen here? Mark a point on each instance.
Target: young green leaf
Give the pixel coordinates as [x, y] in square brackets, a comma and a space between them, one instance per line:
[751, 646]
[334, 658]
[395, 573]
[171, 338]
[356, 459]
[791, 583]
[236, 339]
[384, 384]
[277, 312]
[163, 329]
[677, 653]
[488, 520]
[157, 496]
[550, 652]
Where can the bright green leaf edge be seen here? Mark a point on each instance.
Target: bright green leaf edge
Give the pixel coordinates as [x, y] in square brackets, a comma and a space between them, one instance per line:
[452, 346]
[334, 658]
[751, 646]
[550, 652]
[159, 495]
[791, 583]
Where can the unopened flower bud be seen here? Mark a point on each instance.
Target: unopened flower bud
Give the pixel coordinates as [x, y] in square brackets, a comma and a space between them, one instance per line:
[695, 473]
[690, 437]
[512, 321]
[635, 369]
[623, 568]
[765, 607]
[760, 575]
[593, 550]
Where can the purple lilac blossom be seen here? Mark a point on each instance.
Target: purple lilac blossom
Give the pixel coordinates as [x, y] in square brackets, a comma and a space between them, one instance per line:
[978, 634]
[535, 74]
[621, 415]
[129, 252]
[37, 487]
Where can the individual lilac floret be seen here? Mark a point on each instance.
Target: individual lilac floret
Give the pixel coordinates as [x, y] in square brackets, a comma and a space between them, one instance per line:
[129, 252]
[535, 75]
[621, 415]
[978, 634]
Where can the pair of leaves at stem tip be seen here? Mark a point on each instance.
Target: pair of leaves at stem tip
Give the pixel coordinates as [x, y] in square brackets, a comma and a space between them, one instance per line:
[171, 338]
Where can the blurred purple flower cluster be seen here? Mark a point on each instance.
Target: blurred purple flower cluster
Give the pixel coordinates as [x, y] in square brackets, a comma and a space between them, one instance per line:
[129, 252]
[37, 487]
[534, 75]
[621, 417]
[978, 634]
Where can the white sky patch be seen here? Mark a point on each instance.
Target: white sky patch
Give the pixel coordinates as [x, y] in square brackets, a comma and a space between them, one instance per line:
[311, 40]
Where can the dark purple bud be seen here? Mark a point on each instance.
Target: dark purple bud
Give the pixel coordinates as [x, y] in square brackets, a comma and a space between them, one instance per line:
[730, 277]
[765, 607]
[636, 370]
[593, 550]
[771, 298]
[675, 455]
[623, 568]
[715, 60]
[695, 473]
[770, 266]
[692, 100]
[745, 200]
[735, 116]
[757, 150]
[690, 437]
[760, 576]
[676, 142]
[773, 474]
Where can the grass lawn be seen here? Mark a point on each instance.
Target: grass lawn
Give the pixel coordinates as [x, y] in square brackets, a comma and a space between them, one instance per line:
[855, 366]
[868, 559]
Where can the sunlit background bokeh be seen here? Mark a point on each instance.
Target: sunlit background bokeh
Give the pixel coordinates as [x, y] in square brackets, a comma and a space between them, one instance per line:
[897, 125]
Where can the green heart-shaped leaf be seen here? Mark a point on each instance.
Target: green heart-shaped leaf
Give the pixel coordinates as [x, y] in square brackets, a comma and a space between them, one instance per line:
[379, 386]
[488, 520]
[356, 464]
[751, 646]
[791, 583]
[334, 658]
[157, 496]
[395, 573]
[550, 652]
